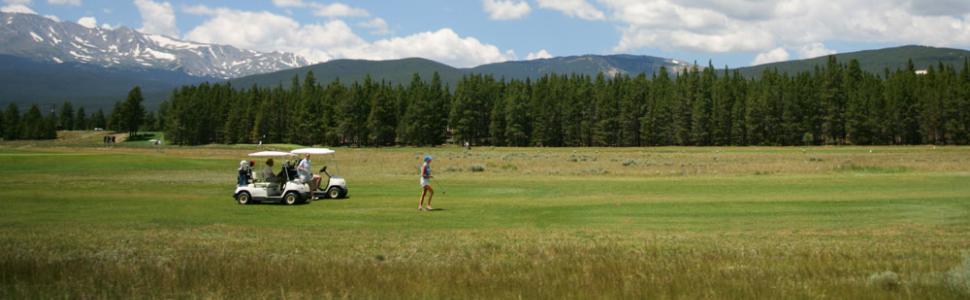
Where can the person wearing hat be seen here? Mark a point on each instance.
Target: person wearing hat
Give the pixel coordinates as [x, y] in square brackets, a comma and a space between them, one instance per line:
[426, 184]
[243, 178]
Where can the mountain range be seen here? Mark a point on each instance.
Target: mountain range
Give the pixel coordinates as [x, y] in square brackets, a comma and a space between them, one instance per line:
[873, 61]
[43, 39]
[48, 62]
[402, 70]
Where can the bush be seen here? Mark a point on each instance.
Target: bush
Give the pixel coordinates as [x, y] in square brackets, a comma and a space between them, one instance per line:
[477, 168]
[958, 278]
[887, 280]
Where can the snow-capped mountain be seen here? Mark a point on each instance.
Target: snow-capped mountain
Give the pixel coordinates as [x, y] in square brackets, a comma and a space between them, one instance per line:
[39, 38]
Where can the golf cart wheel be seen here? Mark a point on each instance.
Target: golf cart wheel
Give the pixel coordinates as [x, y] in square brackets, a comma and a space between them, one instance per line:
[334, 193]
[244, 198]
[291, 198]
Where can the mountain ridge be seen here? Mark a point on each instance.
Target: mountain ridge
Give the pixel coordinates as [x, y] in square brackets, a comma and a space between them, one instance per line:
[39, 38]
[401, 71]
[872, 60]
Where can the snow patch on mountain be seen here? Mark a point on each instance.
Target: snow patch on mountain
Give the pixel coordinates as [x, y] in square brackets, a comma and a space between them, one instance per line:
[160, 55]
[125, 47]
[37, 38]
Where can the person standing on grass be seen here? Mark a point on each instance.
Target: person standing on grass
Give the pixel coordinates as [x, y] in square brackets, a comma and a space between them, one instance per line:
[426, 184]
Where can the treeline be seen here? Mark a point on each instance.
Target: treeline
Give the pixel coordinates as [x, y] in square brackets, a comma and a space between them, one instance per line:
[834, 104]
[128, 115]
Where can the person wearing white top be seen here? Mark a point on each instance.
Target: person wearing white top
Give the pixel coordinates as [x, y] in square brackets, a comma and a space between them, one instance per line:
[303, 169]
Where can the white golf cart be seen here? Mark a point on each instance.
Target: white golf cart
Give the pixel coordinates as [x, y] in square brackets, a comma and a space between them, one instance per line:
[335, 187]
[288, 188]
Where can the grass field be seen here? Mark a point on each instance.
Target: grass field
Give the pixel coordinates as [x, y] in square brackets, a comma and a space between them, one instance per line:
[79, 220]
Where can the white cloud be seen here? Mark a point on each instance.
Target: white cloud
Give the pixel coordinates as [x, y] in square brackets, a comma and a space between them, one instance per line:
[17, 8]
[506, 9]
[157, 17]
[53, 18]
[443, 45]
[89, 22]
[107, 26]
[542, 54]
[289, 3]
[21, 2]
[574, 8]
[335, 10]
[377, 26]
[715, 26]
[774, 55]
[333, 39]
[65, 2]
[814, 50]
[332, 10]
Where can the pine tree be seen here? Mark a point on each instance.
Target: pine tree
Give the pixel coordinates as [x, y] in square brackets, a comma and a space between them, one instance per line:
[382, 120]
[632, 107]
[81, 119]
[655, 125]
[133, 111]
[12, 126]
[48, 130]
[66, 118]
[33, 124]
[702, 107]
[98, 120]
[606, 125]
[517, 120]
[833, 101]
[497, 125]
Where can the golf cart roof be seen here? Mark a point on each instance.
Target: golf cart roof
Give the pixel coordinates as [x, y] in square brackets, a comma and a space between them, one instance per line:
[271, 154]
[317, 151]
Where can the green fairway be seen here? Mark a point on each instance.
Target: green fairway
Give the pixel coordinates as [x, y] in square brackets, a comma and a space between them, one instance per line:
[83, 221]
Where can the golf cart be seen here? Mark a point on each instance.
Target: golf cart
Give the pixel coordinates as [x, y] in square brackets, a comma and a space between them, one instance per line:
[288, 188]
[335, 187]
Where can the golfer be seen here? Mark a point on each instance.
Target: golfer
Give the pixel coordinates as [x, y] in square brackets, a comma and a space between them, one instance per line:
[426, 184]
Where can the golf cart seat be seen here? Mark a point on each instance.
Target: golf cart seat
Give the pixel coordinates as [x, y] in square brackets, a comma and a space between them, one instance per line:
[265, 184]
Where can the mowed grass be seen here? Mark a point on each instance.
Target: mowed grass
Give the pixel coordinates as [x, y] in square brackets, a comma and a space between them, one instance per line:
[83, 221]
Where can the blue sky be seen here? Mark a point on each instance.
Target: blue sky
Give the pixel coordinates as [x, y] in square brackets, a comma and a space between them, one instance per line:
[471, 32]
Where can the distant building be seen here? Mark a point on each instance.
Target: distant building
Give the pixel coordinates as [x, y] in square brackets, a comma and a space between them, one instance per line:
[920, 72]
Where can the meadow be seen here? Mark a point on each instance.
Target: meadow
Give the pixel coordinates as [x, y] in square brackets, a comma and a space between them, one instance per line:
[84, 220]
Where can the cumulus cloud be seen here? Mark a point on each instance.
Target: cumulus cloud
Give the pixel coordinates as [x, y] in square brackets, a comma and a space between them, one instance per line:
[17, 8]
[814, 50]
[377, 26]
[542, 54]
[574, 8]
[334, 39]
[443, 45]
[774, 55]
[506, 9]
[801, 26]
[65, 2]
[89, 22]
[332, 10]
[157, 17]
[289, 3]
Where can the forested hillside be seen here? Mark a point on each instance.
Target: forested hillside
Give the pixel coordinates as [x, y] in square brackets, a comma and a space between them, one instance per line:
[835, 104]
